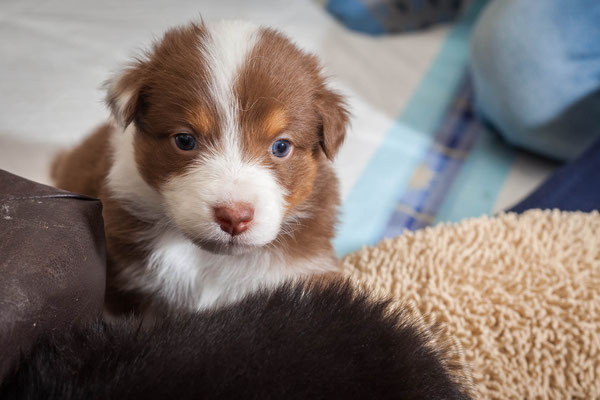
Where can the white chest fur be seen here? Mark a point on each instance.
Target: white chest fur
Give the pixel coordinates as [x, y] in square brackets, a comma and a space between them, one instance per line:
[184, 275]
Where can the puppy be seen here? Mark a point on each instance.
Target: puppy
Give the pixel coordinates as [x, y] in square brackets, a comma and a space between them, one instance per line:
[294, 342]
[215, 170]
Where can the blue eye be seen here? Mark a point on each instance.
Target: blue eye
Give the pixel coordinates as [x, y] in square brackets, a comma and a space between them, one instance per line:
[185, 141]
[281, 148]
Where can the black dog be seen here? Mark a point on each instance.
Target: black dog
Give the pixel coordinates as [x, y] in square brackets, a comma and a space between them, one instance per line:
[300, 341]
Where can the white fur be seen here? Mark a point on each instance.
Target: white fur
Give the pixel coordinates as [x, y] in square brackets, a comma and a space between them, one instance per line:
[125, 182]
[225, 52]
[184, 275]
[216, 180]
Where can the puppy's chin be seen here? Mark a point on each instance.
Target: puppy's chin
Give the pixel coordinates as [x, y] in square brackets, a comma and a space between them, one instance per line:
[212, 240]
[231, 248]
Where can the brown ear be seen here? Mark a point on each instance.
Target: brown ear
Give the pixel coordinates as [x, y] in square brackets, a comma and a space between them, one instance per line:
[123, 93]
[334, 118]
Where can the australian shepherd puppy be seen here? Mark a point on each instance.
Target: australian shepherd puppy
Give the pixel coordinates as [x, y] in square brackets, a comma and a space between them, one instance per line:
[215, 169]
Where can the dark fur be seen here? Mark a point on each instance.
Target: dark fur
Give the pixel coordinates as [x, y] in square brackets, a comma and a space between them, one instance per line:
[297, 342]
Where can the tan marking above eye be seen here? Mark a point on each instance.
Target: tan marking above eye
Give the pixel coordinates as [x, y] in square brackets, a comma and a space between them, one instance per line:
[275, 122]
[201, 120]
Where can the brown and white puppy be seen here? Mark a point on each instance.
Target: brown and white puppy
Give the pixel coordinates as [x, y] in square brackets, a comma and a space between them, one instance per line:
[215, 170]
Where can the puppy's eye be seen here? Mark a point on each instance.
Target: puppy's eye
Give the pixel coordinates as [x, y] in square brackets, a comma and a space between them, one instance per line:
[281, 148]
[185, 141]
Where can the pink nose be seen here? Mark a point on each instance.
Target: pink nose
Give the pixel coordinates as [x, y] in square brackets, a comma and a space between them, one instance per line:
[234, 218]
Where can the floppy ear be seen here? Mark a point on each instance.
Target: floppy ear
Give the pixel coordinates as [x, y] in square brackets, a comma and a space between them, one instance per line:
[123, 93]
[334, 118]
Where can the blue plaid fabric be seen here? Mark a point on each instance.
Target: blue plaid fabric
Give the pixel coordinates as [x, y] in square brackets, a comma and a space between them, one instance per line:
[437, 162]
[419, 204]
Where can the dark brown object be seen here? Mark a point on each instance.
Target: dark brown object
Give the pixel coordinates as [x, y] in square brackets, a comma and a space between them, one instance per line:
[298, 341]
[52, 262]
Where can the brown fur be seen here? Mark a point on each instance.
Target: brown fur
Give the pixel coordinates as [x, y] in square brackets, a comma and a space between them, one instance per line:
[84, 168]
[275, 123]
[280, 89]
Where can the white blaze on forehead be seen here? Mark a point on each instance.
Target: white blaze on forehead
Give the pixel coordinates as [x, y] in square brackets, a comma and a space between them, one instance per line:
[225, 51]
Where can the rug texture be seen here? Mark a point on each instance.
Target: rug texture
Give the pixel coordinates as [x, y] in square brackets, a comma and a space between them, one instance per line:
[519, 296]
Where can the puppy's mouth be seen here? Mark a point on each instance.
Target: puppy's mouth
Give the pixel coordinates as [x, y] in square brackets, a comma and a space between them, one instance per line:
[232, 246]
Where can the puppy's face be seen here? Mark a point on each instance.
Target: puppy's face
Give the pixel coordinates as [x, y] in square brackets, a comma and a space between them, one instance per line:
[232, 124]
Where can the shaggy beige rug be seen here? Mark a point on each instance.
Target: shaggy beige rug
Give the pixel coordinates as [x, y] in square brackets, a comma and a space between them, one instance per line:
[519, 293]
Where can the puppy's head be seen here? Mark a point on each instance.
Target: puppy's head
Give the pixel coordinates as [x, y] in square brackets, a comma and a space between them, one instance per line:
[232, 124]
